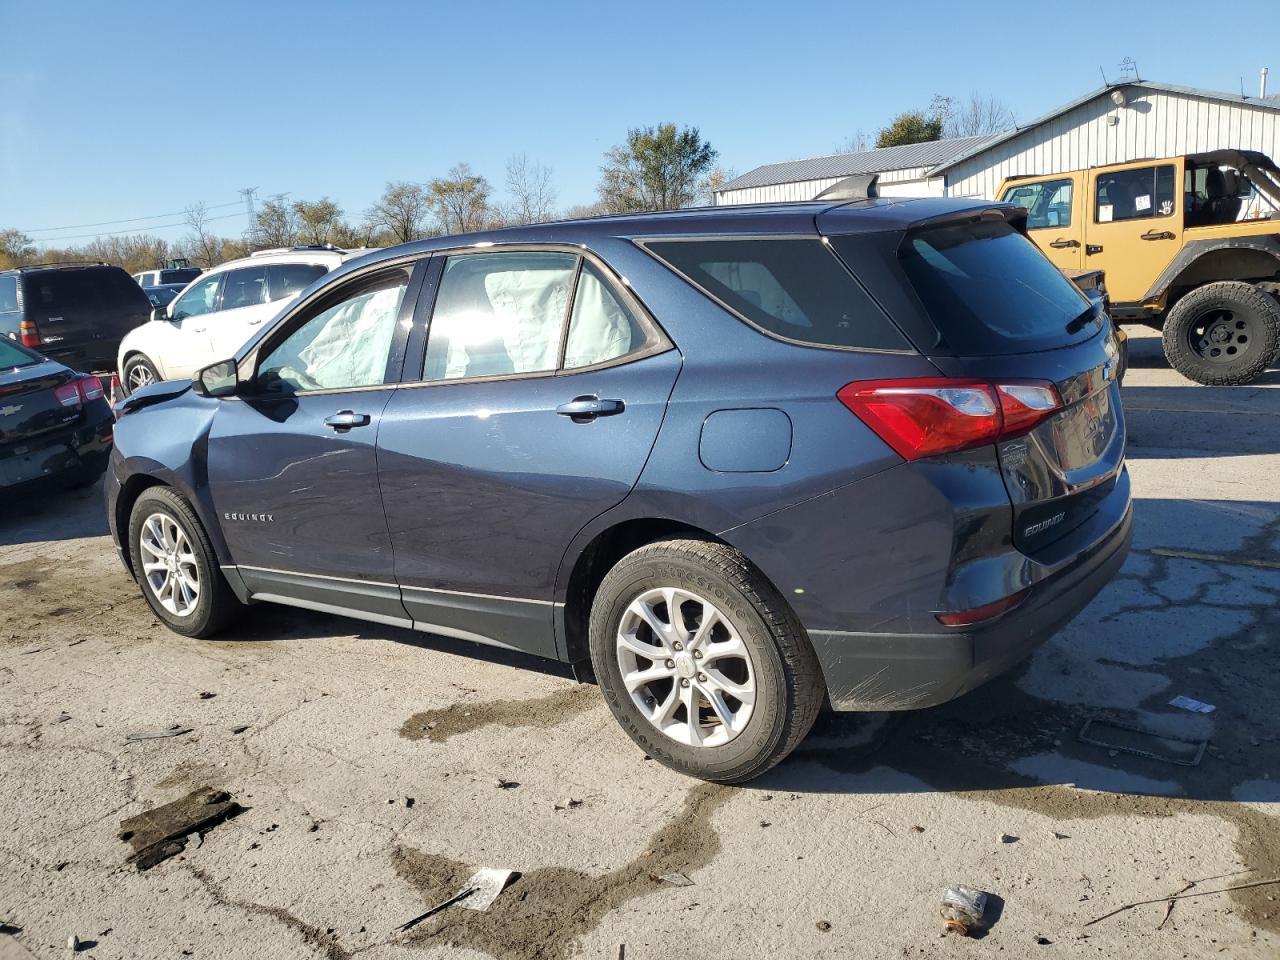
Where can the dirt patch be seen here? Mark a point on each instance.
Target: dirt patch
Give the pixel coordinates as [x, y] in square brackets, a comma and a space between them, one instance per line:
[194, 773]
[37, 591]
[458, 718]
[544, 911]
[323, 941]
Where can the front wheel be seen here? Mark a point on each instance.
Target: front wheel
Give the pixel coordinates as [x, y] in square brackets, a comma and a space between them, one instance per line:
[1223, 334]
[176, 567]
[701, 660]
[138, 372]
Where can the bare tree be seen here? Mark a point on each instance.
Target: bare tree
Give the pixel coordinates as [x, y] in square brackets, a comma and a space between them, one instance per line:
[202, 245]
[978, 115]
[714, 181]
[858, 142]
[401, 212]
[532, 195]
[460, 201]
[16, 248]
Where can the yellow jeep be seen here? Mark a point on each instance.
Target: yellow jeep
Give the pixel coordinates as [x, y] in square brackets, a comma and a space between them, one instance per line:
[1189, 243]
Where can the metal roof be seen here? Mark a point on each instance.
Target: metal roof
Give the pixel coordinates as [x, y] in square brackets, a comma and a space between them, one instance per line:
[1264, 103]
[846, 164]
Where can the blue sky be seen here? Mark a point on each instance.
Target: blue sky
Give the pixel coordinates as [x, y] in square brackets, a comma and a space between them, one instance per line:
[113, 110]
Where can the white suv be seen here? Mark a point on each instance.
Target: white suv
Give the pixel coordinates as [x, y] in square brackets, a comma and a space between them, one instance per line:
[218, 312]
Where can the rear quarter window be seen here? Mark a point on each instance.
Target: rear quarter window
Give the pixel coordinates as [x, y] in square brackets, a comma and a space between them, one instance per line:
[795, 289]
[989, 290]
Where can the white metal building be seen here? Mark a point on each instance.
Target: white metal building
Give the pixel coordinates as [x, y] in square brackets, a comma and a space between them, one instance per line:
[1115, 124]
[904, 172]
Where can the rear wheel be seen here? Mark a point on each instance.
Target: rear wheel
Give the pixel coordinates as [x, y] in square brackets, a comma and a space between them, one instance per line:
[176, 567]
[138, 372]
[1223, 333]
[701, 660]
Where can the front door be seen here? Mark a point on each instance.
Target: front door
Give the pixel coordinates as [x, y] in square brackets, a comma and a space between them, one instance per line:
[520, 433]
[292, 458]
[1055, 220]
[1134, 226]
[183, 347]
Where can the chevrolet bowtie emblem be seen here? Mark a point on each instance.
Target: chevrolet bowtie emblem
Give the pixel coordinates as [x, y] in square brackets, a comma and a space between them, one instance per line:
[10, 410]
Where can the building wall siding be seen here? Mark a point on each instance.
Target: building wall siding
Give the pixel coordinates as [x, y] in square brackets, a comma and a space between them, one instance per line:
[1152, 125]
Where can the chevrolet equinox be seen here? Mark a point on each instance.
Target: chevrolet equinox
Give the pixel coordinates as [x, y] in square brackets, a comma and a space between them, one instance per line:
[733, 462]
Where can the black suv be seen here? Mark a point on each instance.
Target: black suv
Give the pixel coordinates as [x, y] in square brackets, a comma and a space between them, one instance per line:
[75, 313]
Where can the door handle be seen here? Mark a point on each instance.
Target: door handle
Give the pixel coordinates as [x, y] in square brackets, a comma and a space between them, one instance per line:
[587, 408]
[1091, 248]
[1158, 235]
[1060, 244]
[346, 419]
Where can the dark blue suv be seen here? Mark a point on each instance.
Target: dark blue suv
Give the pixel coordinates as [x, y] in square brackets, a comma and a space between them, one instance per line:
[733, 462]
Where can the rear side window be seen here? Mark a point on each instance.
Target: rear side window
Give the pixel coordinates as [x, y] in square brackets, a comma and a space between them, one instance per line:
[1135, 194]
[8, 294]
[793, 288]
[290, 279]
[989, 290]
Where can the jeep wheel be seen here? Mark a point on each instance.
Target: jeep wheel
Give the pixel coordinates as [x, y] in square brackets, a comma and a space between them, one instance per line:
[176, 567]
[701, 660]
[138, 372]
[1223, 333]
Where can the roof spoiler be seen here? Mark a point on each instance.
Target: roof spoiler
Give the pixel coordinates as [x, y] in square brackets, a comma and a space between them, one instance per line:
[860, 186]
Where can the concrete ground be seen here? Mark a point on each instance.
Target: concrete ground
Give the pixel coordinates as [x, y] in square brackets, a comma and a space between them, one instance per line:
[372, 760]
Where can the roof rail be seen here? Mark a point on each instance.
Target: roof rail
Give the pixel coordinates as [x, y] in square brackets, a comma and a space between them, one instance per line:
[298, 249]
[860, 186]
[64, 263]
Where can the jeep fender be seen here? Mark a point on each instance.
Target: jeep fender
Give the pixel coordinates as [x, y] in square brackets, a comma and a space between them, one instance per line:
[1219, 258]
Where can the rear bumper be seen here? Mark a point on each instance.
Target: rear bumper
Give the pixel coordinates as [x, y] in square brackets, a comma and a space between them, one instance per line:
[877, 671]
[73, 454]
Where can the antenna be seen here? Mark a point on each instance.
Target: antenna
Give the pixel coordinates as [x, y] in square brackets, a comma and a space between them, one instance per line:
[1105, 81]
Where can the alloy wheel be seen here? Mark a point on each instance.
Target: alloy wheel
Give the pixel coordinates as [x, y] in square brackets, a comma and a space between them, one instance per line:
[686, 668]
[140, 375]
[169, 564]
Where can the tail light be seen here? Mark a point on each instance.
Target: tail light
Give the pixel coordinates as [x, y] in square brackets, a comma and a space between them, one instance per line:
[30, 335]
[89, 387]
[925, 417]
[68, 394]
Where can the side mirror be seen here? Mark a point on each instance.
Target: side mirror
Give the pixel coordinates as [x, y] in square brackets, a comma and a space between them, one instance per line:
[160, 313]
[218, 380]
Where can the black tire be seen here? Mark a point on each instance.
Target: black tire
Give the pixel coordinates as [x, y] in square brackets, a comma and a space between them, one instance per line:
[788, 679]
[1223, 334]
[136, 364]
[216, 606]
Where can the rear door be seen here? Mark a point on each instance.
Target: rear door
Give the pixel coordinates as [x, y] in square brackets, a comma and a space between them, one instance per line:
[1134, 225]
[541, 393]
[1055, 223]
[292, 465]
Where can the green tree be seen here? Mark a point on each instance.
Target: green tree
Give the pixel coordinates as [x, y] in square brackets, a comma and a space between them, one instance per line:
[317, 221]
[658, 168]
[912, 126]
[275, 224]
[401, 213]
[16, 248]
[460, 201]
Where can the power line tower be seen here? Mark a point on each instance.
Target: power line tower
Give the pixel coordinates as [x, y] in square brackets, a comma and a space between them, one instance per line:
[251, 221]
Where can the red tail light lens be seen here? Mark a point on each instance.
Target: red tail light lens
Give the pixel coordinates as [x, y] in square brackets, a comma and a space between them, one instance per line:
[29, 334]
[68, 394]
[925, 417]
[89, 387]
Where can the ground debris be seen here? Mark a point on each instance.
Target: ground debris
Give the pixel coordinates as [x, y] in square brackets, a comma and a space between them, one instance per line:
[675, 879]
[504, 784]
[163, 831]
[176, 730]
[1183, 896]
[478, 893]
